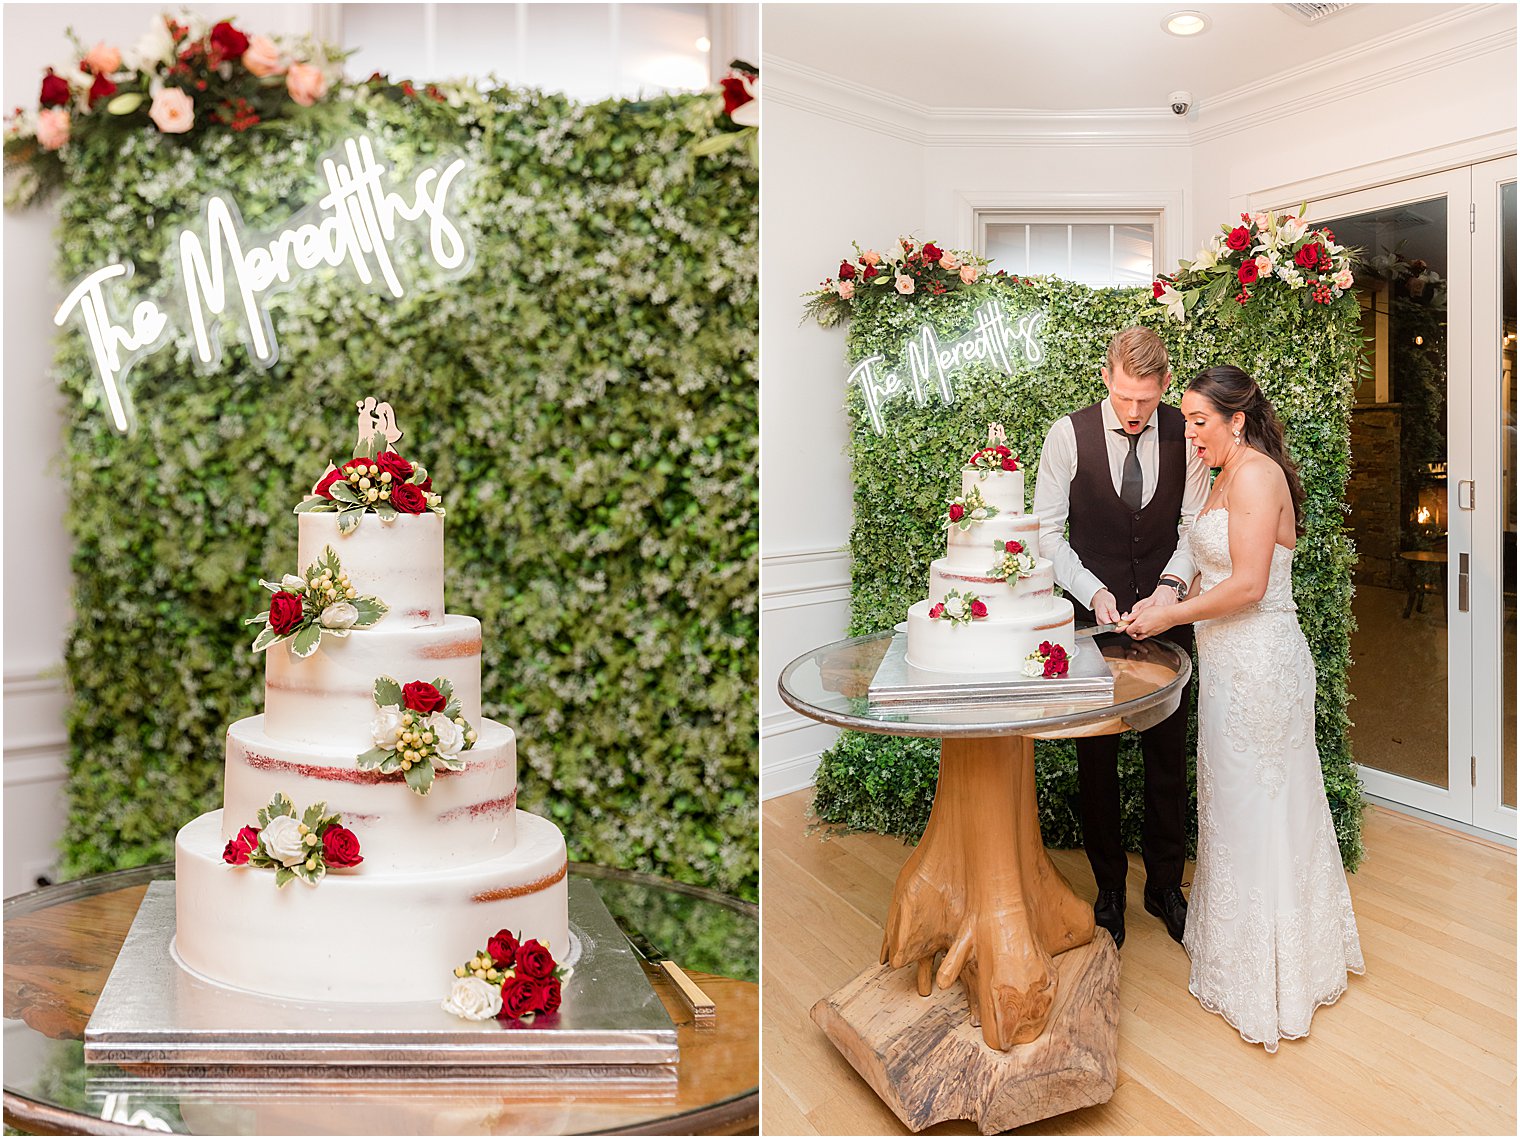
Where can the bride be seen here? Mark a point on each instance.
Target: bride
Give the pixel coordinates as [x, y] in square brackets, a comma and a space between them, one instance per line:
[1270, 930]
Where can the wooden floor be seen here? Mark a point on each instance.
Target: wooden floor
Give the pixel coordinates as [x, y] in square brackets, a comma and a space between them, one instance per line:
[1423, 1044]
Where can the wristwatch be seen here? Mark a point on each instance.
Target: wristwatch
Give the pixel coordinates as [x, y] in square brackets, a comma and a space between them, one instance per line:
[1176, 583]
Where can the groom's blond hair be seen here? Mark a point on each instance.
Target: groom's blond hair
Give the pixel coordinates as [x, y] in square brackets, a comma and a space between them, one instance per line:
[1140, 352]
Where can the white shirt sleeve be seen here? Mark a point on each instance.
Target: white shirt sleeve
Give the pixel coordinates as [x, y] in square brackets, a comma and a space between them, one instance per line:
[1194, 494]
[1052, 502]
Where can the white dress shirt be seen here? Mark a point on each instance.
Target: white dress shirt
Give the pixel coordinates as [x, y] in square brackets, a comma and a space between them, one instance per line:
[1052, 497]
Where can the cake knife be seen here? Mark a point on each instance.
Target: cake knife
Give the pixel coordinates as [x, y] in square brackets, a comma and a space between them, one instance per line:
[700, 1003]
[1111, 627]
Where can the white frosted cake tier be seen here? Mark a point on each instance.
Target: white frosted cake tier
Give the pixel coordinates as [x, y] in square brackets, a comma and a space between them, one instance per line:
[988, 645]
[1003, 489]
[329, 697]
[1021, 597]
[466, 816]
[400, 562]
[977, 546]
[357, 935]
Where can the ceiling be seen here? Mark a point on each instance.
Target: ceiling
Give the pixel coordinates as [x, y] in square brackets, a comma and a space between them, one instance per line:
[1067, 56]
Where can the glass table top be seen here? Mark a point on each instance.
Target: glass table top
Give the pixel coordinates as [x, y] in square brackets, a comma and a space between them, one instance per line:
[831, 683]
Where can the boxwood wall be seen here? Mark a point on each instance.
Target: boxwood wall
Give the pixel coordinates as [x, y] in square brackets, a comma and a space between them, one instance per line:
[585, 400]
[1306, 362]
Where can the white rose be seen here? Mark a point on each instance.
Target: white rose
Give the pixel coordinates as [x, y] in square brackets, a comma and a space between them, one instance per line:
[448, 739]
[473, 999]
[955, 607]
[386, 728]
[283, 840]
[293, 583]
[1034, 667]
[156, 46]
[339, 615]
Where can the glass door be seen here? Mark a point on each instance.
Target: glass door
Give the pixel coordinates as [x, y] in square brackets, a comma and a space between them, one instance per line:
[1412, 459]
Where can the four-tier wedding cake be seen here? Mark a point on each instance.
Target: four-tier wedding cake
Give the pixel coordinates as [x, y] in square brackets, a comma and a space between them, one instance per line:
[991, 606]
[369, 839]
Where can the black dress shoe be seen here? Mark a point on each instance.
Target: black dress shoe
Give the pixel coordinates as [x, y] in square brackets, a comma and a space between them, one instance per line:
[1108, 911]
[1171, 907]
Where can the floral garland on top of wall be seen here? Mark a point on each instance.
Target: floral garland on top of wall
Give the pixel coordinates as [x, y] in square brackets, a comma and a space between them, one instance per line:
[911, 272]
[1262, 252]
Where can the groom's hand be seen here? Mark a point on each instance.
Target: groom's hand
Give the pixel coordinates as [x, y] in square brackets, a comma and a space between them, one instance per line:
[1105, 607]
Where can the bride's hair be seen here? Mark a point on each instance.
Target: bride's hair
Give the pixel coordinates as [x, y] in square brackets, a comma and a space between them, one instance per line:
[1230, 390]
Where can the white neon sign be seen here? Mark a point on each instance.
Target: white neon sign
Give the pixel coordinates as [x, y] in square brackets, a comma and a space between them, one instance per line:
[930, 364]
[225, 275]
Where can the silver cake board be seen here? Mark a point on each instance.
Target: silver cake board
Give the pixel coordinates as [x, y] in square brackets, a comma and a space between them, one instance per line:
[156, 1017]
[901, 687]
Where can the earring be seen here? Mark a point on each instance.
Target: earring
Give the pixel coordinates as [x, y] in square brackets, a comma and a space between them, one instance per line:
[1237, 438]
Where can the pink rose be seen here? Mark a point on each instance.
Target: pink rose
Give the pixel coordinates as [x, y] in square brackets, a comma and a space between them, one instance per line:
[904, 284]
[949, 262]
[52, 128]
[262, 57]
[968, 274]
[305, 83]
[102, 60]
[172, 111]
[846, 289]
[871, 257]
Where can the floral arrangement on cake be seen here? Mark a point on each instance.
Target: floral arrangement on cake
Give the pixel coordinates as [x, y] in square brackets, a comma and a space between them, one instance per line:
[1049, 660]
[995, 458]
[180, 77]
[966, 509]
[295, 846]
[1014, 560]
[1263, 251]
[910, 272]
[303, 608]
[509, 980]
[382, 483]
[959, 608]
[417, 728]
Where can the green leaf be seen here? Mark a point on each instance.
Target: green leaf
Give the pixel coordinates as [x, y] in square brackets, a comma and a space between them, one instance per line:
[392, 763]
[266, 638]
[348, 518]
[419, 777]
[343, 492]
[385, 510]
[306, 640]
[260, 619]
[312, 819]
[318, 505]
[373, 758]
[284, 876]
[444, 686]
[452, 710]
[387, 691]
[370, 610]
[272, 586]
[125, 103]
[419, 475]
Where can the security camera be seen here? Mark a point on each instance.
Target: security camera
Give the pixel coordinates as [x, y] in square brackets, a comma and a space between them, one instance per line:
[1181, 101]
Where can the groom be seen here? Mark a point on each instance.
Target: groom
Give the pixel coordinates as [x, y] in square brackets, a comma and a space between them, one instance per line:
[1122, 474]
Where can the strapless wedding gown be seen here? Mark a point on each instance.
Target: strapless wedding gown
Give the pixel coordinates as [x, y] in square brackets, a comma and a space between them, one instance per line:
[1270, 930]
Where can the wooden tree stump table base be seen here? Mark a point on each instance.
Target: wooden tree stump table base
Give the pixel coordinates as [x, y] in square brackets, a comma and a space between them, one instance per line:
[928, 1062]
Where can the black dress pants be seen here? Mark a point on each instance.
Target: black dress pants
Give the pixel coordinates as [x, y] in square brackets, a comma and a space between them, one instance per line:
[1164, 830]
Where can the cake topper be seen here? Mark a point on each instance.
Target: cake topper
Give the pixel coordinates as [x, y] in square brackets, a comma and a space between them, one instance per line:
[995, 434]
[375, 421]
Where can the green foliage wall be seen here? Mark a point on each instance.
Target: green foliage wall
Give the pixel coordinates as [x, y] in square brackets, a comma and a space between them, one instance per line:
[585, 400]
[1306, 362]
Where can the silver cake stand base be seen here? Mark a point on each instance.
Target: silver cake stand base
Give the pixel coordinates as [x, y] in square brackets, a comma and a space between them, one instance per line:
[156, 1018]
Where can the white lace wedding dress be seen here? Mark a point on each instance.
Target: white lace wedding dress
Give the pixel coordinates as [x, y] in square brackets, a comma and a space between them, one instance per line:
[1269, 928]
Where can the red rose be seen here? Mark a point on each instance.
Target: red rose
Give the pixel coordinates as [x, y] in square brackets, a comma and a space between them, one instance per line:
[503, 948]
[1044, 649]
[284, 612]
[978, 608]
[358, 463]
[1014, 547]
[735, 94]
[549, 1001]
[408, 499]
[869, 272]
[238, 850]
[846, 271]
[102, 88]
[1002, 451]
[1055, 667]
[534, 960]
[324, 488]
[933, 253]
[519, 995]
[340, 847]
[1157, 288]
[1247, 272]
[936, 612]
[420, 696]
[398, 468]
[1308, 256]
[227, 42]
[1010, 464]
[1239, 238]
[55, 90]
[957, 512]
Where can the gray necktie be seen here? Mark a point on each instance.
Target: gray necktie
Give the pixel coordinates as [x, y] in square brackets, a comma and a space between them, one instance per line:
[1130, 485]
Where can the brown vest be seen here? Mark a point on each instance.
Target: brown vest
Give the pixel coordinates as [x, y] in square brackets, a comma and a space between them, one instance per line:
[1127, 550]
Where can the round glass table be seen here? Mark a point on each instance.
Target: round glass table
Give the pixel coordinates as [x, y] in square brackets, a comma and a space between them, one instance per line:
[979, 900]
[61, 941]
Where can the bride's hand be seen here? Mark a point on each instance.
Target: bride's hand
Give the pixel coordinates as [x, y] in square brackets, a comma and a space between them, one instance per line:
[1151, 621]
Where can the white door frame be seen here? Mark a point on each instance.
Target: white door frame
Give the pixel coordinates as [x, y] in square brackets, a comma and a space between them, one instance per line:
[1455, 800]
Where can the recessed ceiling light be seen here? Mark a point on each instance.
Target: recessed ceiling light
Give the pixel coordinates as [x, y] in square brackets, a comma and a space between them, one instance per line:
[1186, 23]
[704, 44]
